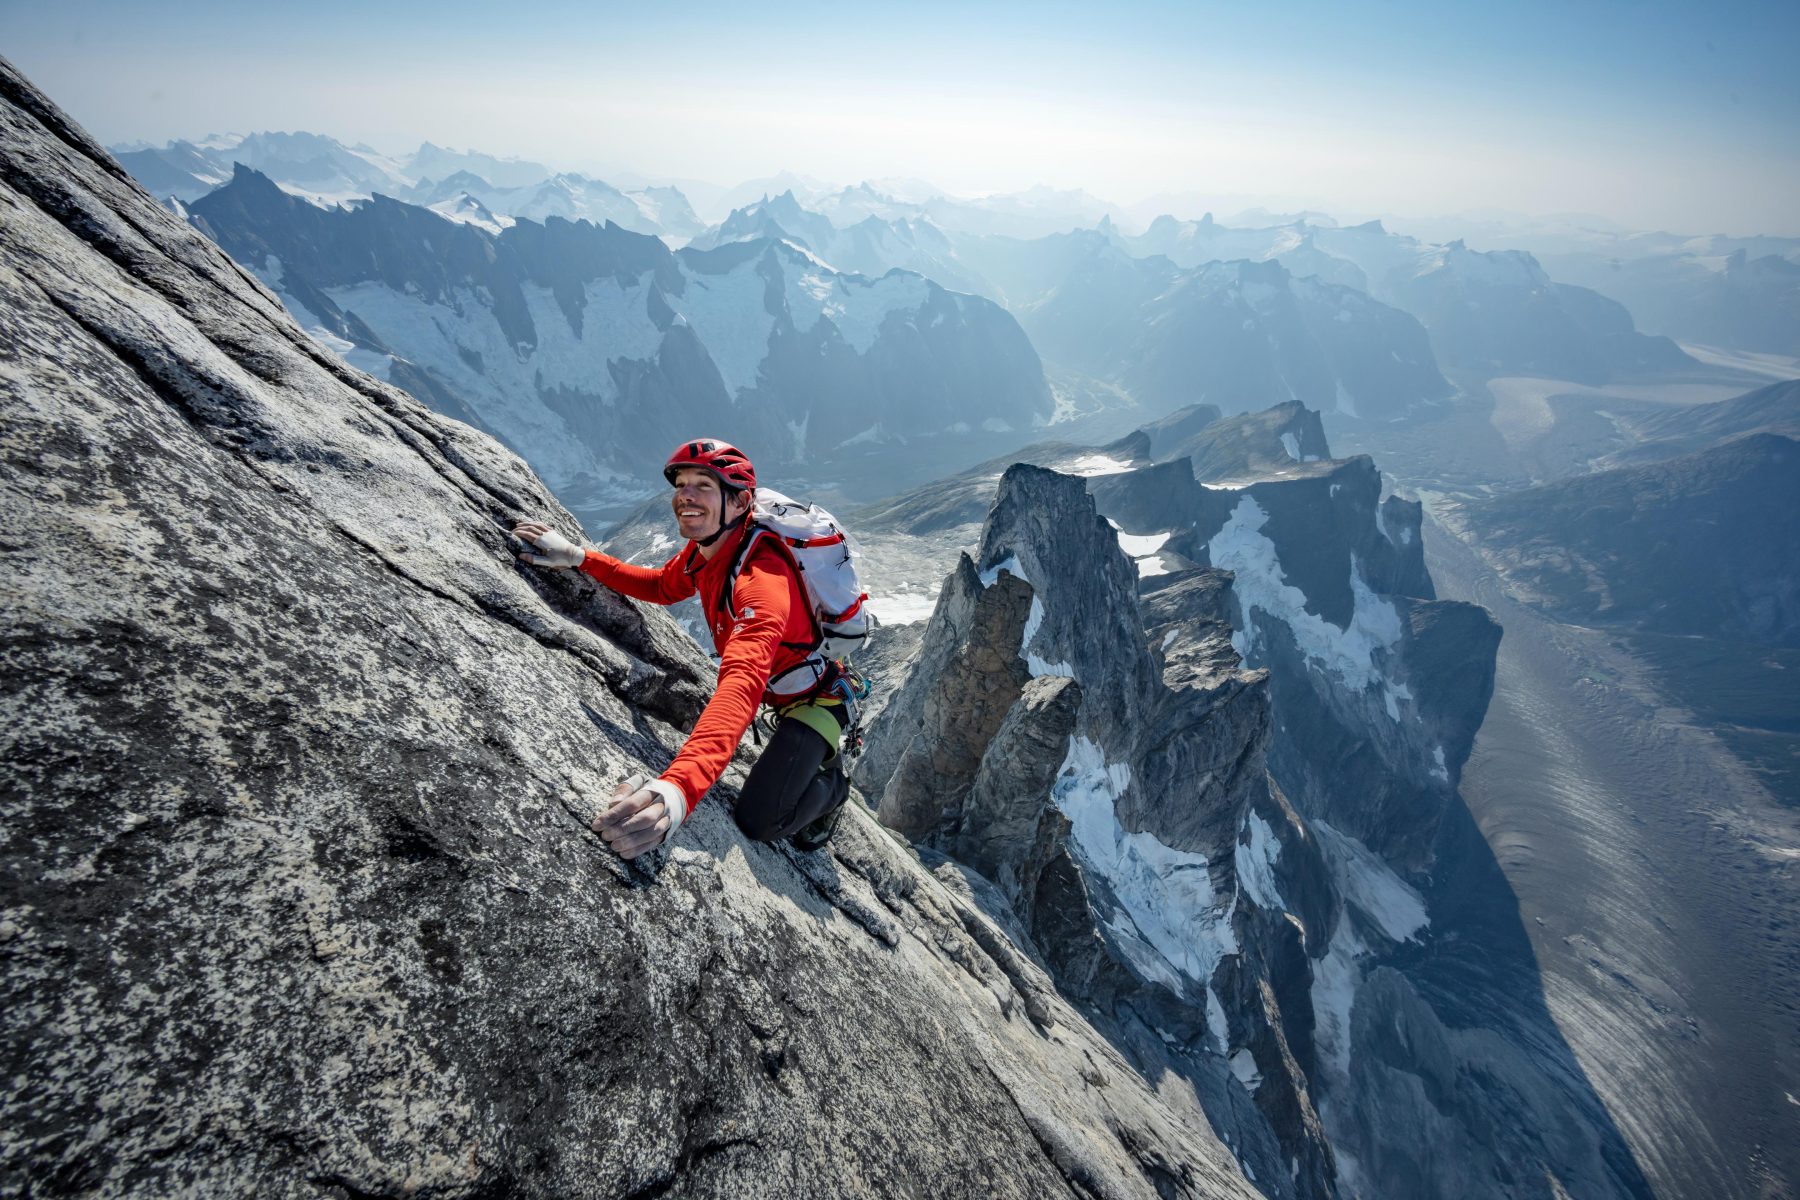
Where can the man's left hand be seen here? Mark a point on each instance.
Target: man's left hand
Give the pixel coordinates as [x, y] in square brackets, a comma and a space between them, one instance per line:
[553, 549]
[634, 824]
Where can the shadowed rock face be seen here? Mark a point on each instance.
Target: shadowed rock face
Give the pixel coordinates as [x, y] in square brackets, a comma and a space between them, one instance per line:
[1316, 669]
[1039, 680]
[298, 894]
[1240, 446]
[1701, 545]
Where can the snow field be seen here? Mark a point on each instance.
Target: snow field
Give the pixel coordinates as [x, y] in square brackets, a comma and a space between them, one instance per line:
[1168, 894]
[1095, 464]
[1260, 584]
[728, 313]
[504, 393]
[1255, 860]
[1370, 888]
[854, 305]
[1142, 548]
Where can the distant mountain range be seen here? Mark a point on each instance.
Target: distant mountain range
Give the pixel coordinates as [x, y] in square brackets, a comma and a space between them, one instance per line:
[1488, 313]
[309, 164]
[871, 246]
[1241, 335]
[1735, 298]
[1119, 329]
[328, 172]
[1540, 287]
[462, 185]
[569, 196]
[592, 349]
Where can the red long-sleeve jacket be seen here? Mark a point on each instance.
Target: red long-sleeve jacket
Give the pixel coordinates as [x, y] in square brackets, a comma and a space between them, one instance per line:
[772, 638]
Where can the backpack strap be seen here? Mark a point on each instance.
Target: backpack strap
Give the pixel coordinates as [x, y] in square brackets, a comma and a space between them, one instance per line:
[758, 533]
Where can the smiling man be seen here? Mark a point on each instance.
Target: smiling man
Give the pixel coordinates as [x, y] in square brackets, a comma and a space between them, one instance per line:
[769, 646]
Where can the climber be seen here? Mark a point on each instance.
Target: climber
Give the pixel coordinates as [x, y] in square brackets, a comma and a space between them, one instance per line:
[768, 652]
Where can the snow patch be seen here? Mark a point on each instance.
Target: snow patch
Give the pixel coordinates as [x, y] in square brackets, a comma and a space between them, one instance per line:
[1367, 882]
[873, 433]
[1009, 564]
[728, 313]
[1033, 663]
[1095, 464]
[368, 361]
[855, 306]
[1215, 1021]
[506, 391]
[1243, 1065]
[1370, 887]
[1145, 960]
[1167, 893]
[902, 608]
[1136, 545]
[1335, 980]
[797, 430]
[1256, 857]
[1441, 771]
[1033, 622]
[1374, 626]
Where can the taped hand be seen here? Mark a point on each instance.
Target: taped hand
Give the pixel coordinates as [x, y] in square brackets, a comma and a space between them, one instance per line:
[554, 550]
[637, 820]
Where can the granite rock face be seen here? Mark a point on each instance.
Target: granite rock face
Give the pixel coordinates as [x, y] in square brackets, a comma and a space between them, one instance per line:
[298, 893]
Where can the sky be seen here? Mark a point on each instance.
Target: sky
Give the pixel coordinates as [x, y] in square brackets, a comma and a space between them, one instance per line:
[1680, 117]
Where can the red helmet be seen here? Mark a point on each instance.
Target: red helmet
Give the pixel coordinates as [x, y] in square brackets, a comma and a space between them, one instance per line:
[721, 458]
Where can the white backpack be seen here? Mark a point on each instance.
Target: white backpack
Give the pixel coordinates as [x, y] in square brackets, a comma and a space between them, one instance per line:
[820, 548]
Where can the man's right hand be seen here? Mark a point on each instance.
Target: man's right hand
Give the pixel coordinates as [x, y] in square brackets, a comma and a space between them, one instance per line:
[637, 820]
[554, 550]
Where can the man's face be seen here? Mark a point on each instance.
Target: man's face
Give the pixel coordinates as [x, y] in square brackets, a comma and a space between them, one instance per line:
[699, 503]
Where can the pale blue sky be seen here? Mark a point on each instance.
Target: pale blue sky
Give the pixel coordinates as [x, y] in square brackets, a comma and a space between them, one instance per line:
[1672, 116]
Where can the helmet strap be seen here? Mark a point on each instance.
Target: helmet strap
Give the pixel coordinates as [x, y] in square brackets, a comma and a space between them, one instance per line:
[725, 527]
